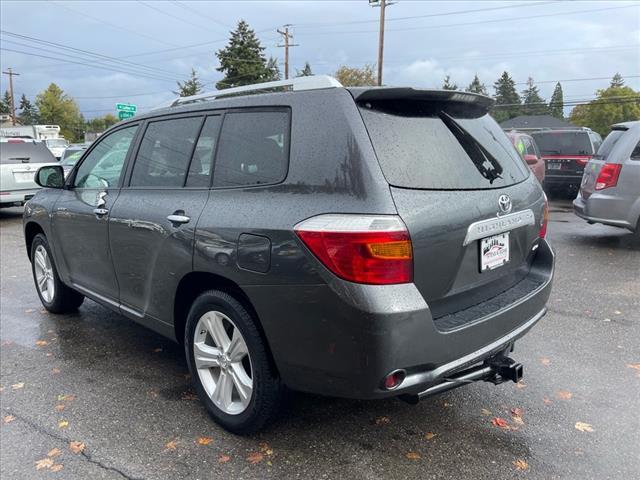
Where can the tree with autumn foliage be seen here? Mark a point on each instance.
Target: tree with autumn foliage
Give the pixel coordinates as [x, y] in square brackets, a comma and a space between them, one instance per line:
[356, 77]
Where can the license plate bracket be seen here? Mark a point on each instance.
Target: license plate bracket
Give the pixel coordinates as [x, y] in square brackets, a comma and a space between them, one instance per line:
[494, 251]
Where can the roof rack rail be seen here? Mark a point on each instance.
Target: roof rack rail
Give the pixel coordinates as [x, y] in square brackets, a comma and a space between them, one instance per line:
[313, 82]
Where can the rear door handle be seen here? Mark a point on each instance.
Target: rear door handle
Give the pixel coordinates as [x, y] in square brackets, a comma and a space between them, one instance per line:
[178, 219]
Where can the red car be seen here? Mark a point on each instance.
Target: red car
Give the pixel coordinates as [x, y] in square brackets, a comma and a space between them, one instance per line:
[528, 150]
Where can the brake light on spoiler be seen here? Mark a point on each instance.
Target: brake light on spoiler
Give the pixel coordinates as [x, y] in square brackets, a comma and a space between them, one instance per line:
[370, 249]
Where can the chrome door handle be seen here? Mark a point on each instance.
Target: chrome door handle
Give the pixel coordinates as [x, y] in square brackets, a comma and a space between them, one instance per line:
[100, 211]
[178, 219]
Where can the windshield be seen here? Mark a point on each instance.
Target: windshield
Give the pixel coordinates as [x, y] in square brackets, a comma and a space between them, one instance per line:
[56, 142]
[71, 160]
[443, 148]
[563, 143]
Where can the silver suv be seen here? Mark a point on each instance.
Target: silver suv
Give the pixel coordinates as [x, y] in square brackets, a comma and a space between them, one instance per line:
[610, 188]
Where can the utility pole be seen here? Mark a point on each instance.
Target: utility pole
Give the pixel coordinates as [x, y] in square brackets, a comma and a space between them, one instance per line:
[383, 4]
[13, 107]
[286, 46]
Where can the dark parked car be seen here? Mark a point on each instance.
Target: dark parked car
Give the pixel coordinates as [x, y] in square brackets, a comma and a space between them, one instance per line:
[565, 153]
[363, 243]
[528, 150]
[610, 190]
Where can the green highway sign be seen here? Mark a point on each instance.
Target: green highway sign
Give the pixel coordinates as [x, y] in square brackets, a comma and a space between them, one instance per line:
[123, 115]
[125, 107]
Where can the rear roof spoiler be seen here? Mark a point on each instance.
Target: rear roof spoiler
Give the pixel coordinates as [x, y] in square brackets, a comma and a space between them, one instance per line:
[361, 94]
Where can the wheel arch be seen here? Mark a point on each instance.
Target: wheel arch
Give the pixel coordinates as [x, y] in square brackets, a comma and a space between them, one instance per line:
[31, 229]
[195, 283]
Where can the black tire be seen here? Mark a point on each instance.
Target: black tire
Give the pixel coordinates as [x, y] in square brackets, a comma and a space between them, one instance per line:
[65, 299]
[267, 388]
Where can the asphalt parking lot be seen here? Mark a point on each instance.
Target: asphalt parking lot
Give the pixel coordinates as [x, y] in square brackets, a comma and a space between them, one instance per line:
[124, 393]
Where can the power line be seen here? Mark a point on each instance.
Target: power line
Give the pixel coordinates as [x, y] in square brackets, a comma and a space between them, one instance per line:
[424, 27]
[573, 103]
[208, 17]
[172, 16]
[113, 25]
[89, 53]
[413, 17]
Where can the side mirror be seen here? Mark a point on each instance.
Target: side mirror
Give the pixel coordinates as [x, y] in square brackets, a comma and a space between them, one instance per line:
[531, 159]
[51, 176]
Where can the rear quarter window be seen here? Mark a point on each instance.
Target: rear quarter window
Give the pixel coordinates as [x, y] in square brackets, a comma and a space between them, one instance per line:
[427, 148]
[253, 149]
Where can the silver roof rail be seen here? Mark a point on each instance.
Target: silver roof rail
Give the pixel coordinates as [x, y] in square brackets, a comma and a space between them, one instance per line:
[313, 82]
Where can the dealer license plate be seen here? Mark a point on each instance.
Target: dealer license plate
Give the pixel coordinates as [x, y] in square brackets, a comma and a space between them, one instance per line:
[554, 166]
[23, 177]
[494, 251]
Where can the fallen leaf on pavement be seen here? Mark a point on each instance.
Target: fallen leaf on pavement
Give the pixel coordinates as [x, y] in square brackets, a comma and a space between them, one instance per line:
[204, 440]
[17, 386]
[547, 401]
[617, 312]
[266, 449]
[8, 418]
[545, 361]
[60, 407]
[54, 452]
[520, 464]
[63, 424]
[76, 447]
[413, 456]
[55, 371]
[170, 445]
[223, 458]
[485, 412]
[153, 393]
[56, 468]
[157, 350]
[189, 396]
[635, 366]
[500, 422]
[44, 463]
[382, 420]
[584, 427]
[564, 395]
[429, 435]
[41, 343]
[516, 412]
[66, 398]
[29, 310]
[255, 457]
[446, 404]
[520, 385]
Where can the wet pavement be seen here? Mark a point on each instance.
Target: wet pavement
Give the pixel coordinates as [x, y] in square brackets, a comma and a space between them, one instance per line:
[97, 378]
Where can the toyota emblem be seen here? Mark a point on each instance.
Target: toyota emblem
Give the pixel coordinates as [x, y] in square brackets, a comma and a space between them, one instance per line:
[504, 202]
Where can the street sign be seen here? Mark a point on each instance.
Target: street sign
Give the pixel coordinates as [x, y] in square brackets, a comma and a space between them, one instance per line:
[123, 115]
[125, 107]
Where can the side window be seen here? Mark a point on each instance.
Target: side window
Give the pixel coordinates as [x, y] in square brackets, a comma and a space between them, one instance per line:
[200, 167]
[520, 146]
[165, 152]
[253, 150]
[529, 148]
[635, 154]
[103, 166]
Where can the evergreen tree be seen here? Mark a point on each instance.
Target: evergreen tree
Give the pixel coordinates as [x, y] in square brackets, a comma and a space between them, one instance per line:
[5, 103]
[28, 112]
[556, 105]
[57, 108]
[506, 94]
[447, 85]
[193, 86]
[476, 86]
[305, 72]
[617, 81]
[242, 61]
[533, 103]
[273, 72]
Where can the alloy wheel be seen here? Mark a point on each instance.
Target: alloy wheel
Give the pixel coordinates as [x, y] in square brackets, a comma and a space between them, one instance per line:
[44, 274]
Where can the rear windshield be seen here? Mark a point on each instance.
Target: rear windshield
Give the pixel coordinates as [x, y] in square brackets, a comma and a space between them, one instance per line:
[563, 143]
[436, 146]
[25, 152]
[609, 142]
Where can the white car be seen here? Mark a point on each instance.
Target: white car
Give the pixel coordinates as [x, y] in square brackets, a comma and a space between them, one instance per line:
[20, 159]
[57, 146]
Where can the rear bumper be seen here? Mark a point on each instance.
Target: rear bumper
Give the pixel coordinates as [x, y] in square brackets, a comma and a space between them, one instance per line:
[16, 197]
[602, 207]
[342, 339]
[552, 180]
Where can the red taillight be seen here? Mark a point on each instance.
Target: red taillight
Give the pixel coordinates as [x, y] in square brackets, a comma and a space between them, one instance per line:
[369, 249]
[545, 219]
[608, 176]
[15, 140]
[583, 161]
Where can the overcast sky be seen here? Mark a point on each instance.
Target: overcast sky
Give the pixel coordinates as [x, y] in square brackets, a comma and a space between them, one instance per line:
[425, 40]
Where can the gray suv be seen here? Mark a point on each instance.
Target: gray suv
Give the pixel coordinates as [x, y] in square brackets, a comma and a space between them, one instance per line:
[356, 242]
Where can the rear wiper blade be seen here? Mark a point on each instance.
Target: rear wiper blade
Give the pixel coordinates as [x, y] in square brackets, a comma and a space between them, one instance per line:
[486, 163]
